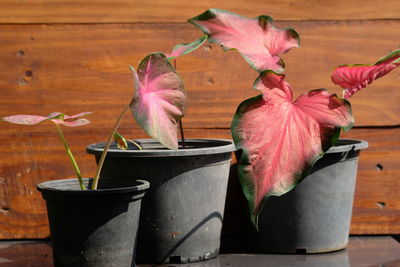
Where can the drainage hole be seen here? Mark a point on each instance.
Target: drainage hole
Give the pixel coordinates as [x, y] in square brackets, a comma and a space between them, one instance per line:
[301, 251]
[175, 259]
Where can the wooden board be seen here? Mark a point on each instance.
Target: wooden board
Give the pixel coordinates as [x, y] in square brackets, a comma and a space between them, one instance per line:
[35, 156]
[75, 68]
[117, 11]
[51, 65]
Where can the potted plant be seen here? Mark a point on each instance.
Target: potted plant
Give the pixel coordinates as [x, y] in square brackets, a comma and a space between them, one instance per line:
[89, 227]
[181, 217]
[281, 142]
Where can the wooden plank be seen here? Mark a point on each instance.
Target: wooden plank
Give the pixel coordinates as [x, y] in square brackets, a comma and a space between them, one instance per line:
[127, 11]
[74, 68]
[33, 155]
[377, 200]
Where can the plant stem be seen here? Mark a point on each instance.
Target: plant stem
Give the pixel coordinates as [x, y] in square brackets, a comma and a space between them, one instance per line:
[182, 135]
[71, 156]
[103, 155]
[135, 144]
[180, 121]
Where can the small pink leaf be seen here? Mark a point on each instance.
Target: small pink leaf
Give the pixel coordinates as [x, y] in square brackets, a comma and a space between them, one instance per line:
[280, 140]
[353, 78]
[25, 119]
[183, 49]
[56, 117]
[159, 100]
[257, 40]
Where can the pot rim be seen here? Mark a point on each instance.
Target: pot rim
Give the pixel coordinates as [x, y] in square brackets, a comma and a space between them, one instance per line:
[343, 145]
[71, 186]
[199, 146]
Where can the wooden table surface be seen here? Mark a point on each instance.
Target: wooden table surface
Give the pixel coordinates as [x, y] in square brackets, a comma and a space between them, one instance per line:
[363, 251]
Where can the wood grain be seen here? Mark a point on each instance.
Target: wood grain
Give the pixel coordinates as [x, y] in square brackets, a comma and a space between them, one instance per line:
[128, 11]
[83, 67]
[74, 68]
[35, 156]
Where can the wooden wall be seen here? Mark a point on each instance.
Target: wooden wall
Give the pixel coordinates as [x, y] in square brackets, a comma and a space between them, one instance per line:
[72, 56]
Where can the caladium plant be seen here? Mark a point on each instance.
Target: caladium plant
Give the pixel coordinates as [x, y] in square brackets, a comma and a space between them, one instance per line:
[278, 139]
[58, 119]
[157, 105]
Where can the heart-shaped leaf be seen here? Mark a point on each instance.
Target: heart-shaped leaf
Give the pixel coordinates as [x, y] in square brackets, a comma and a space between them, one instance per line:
[183, 49]
[257, 40]
[353, 78]
[56, 117]
[159, 100]
[280, 140]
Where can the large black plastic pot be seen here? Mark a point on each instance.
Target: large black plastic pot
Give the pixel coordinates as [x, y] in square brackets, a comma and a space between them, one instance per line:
[93, 227]
[182, 213]
[315, 216]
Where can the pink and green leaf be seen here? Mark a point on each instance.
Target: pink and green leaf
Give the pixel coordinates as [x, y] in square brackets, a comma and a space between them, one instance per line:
[257, 40]
[159, 100]
[280, 140]
[353, 78]
[55, 117]
[186, 48]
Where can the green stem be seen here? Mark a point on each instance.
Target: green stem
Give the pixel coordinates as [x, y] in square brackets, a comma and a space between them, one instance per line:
[71, 156]
[135, 144]
[180, 121]
[103, 155]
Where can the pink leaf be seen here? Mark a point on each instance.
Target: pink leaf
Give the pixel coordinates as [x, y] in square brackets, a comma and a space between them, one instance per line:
[75, 123]
[257, 40]
[159, 99]
[280, 140]
[353, 78]
[183, 49]
[56, 117]
[25, 119]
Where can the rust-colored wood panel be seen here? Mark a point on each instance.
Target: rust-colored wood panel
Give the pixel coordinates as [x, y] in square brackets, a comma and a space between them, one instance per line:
[32, 155]
[377, 200]
[118, 11]
[74, 68]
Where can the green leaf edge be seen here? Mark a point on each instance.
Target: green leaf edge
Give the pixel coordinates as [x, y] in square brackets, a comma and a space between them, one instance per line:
[200, 41]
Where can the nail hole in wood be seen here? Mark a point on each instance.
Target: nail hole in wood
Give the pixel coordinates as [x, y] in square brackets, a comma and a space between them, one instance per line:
[22, 82]
[381, 204]
[28, 73]
[20, 53]
[207, 47]
[379, 167]
[210, 81]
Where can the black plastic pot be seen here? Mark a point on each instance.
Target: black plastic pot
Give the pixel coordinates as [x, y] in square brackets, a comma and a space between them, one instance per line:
[315, 216]
[182, 213]
[93, 227]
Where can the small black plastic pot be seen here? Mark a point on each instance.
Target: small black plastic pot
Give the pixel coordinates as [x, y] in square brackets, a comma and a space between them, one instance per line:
[182, 213]
[315, 216]
[93, 227]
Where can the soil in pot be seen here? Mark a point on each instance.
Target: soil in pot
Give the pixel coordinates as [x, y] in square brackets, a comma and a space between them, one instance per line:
[93, 227]
[182, 213]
